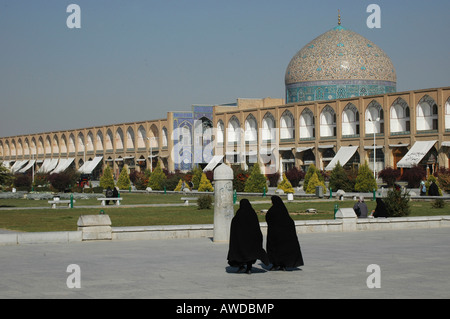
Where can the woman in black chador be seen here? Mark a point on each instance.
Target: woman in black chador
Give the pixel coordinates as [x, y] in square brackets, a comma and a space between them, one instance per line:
[283, 247]
[380, 209]
[246, 240]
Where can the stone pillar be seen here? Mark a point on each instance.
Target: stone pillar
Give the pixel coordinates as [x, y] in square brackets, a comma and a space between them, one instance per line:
[95, 227]
[223, 203]
[348, 217]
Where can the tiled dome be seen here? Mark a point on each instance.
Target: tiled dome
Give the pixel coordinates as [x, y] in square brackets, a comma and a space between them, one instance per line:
[338, 64]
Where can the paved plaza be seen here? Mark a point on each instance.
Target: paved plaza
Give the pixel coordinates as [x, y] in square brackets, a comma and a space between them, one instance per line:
[412, 264]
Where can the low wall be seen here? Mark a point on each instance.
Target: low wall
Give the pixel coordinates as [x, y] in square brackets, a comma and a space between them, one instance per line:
[199, 231]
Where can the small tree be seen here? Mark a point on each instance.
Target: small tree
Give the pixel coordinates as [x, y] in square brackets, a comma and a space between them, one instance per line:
[313, 183]
[256, 182]
[124, 179]
[197, 177]
[240, 176]
[365, 182]
[157, 178]
[285, 185]
[389, 175]
[414, 175]
[107, 180]
[311, 170]
[339, 179]
[397, 203]
[205, 184]
[294, 175]
[178, 187]
[62, 181]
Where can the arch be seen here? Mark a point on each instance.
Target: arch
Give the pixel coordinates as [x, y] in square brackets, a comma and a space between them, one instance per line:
[233, 131]
[71, 145]
[19, 147]
[48, 145]
[55, 145]
[327, 122]
[220, 132]
[251, 129]
[26, 148]
[141, 137]
[109, 140]
[165, 141]
[426, 114]
[268, 127]
[306, 124]
[33, 147]
[41, 146]
[287, 127]
[99, 141]
[374, 119]
[63, 144]
[130, 138]
[154, 136]
[119, 139]
[90, 142]
[80, 146]
[447, 114]
[399, 116]
[7, 148]
[350, 120]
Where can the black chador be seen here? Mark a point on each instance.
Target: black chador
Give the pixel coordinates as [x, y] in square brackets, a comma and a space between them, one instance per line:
[246, 240]
[283, 247]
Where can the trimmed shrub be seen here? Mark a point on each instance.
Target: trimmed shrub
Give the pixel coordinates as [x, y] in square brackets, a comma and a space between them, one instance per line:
[339, 179]
[389, 176]
[107, 180]
[313, 183]
[413, 176]
[240, 176]
[205, 184]
[157, 178]
[311, 170]
[124, 179]
[285, 185]
[256, 182]
[294, 175]
[204, 202]
[365, 182]
[397, 203]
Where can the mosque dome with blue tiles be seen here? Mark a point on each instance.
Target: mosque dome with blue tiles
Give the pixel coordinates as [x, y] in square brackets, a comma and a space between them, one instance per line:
[339, 64]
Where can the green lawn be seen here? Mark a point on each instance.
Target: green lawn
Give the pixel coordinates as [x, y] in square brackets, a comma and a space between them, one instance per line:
[65, 219]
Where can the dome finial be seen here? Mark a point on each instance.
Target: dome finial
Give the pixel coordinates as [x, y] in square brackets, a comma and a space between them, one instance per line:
[339, 17]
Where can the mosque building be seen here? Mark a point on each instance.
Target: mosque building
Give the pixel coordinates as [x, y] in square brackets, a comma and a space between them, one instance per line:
[340, 105]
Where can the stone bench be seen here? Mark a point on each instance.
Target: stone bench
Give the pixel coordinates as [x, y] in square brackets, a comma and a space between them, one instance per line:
[54, 203]
[117, 199]
[187, 199]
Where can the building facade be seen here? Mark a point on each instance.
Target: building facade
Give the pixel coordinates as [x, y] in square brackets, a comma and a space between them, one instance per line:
[341, 106]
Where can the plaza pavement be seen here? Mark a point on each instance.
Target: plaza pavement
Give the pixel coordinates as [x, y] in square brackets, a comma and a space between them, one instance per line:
[413, 264]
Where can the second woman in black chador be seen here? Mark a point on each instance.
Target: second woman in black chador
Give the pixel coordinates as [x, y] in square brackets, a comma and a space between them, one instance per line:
[246, 239]
[283, 247]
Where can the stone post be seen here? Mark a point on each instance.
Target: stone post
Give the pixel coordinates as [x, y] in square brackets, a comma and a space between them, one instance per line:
[348, 217]
[223, 203]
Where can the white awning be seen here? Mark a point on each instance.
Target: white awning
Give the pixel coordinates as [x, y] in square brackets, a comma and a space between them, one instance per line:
[416, 154]
[399, 145]
[378, 147]
[325, 146]
[446, 144]
[63, 164]
[344, 154]
[302, 149]
[48, 165]
[18, 165]
[213, 163]
[6, 164]
[89, 166]
[27, 167]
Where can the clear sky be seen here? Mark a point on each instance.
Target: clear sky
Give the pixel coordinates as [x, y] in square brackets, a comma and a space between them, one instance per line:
[138, 59]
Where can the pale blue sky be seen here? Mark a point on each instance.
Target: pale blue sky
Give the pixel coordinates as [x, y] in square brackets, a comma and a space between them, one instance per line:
[137, 59]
